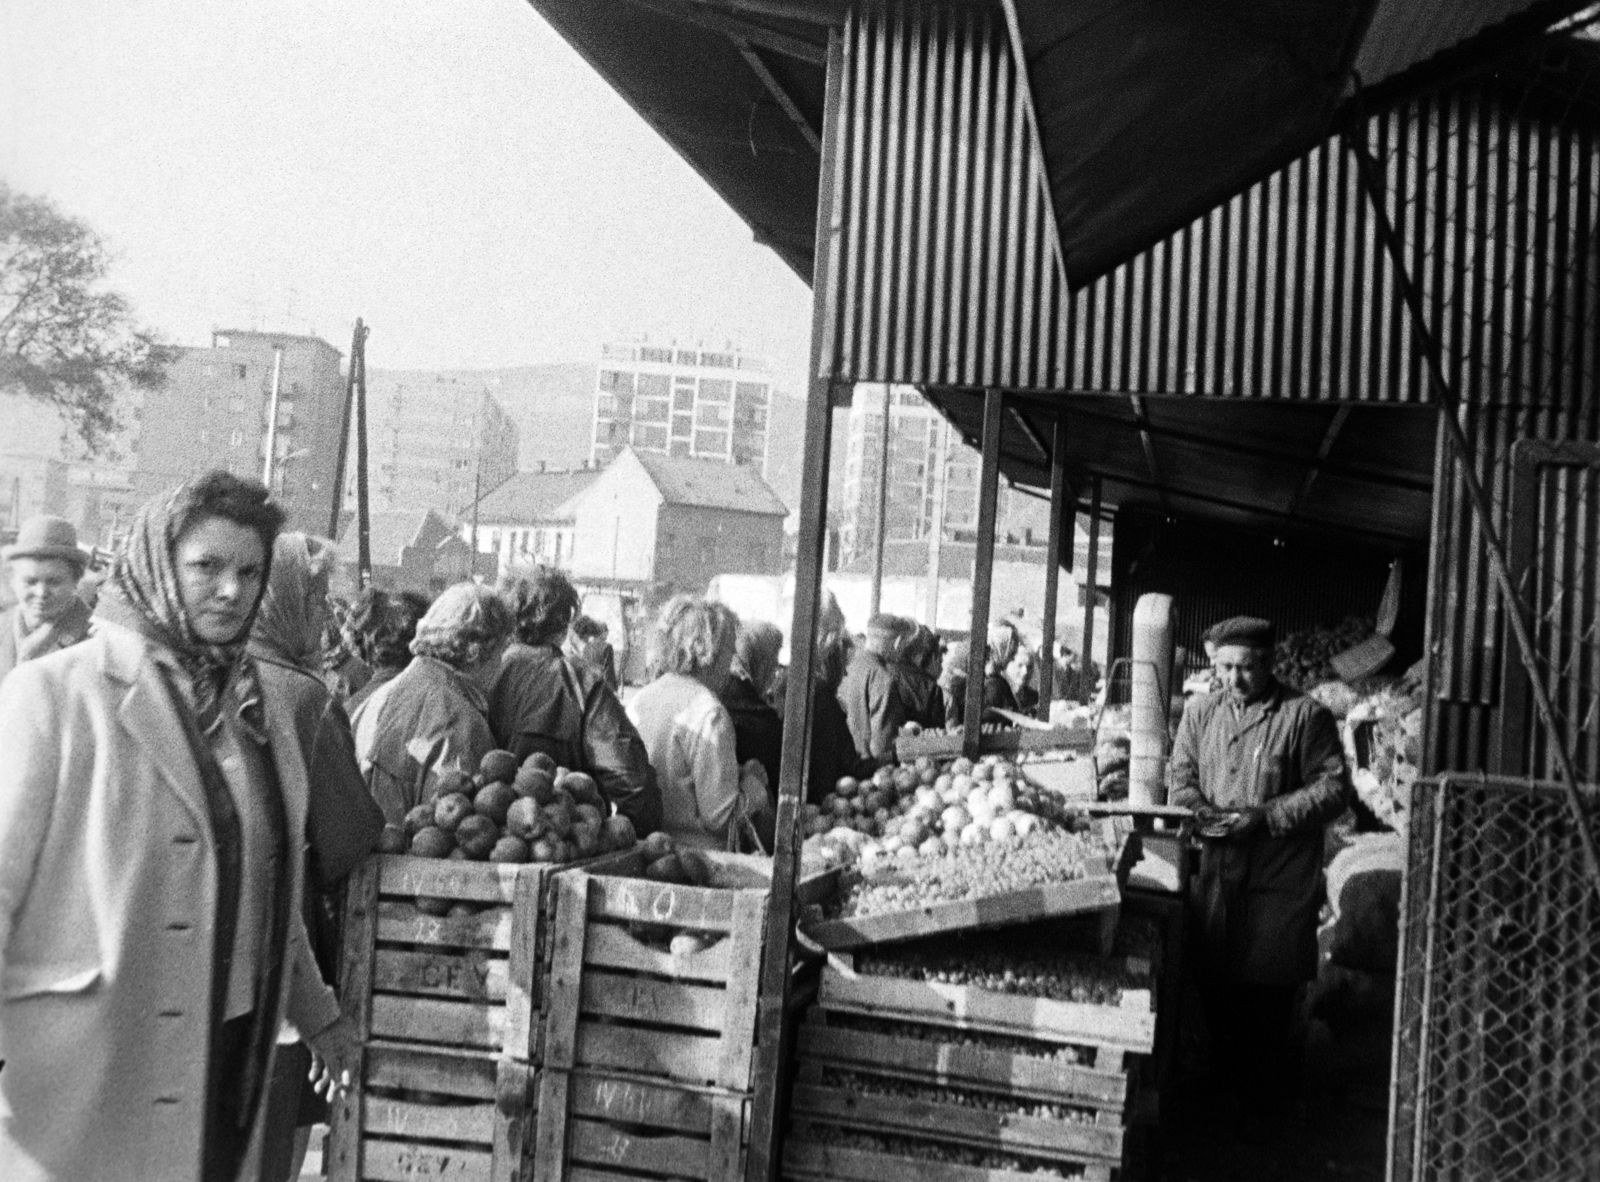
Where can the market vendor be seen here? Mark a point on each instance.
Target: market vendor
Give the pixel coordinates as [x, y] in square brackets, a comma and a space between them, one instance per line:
[540, 699]
[1263, 769]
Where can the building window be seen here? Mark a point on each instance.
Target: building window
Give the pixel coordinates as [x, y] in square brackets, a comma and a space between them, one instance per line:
[241, 372]
[650, 410]
[707, 415]
[653, 385]
[717, 360]
[711, 443]
[682, 426]
[236, 440]
[686, 357]
[649, 354]
[650, 436]
[713, 390]
[754, 391]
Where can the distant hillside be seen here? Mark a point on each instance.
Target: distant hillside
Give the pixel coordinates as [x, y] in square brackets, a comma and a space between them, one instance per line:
[553, 406]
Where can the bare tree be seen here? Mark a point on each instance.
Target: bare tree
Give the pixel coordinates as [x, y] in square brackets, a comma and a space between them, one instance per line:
[64, 340]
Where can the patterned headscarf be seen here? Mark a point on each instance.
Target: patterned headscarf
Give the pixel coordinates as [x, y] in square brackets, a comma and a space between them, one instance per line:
[284, 625]
[143, 594]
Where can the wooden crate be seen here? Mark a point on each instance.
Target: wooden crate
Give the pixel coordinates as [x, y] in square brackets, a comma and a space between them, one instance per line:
[448, 1012]
[1091, 893]
[809, 1156]
[1113, 1033]
[828, 1039]
[615, 1127]
[619, 1000]
[648, 1056]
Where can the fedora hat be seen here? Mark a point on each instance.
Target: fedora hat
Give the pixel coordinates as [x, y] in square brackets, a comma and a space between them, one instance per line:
[46, 536]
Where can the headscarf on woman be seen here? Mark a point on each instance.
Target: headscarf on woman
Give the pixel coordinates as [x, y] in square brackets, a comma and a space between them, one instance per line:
[289, 624]
[143, 594]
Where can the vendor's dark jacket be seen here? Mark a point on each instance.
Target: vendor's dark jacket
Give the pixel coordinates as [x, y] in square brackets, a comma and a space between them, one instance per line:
[1255, 900]
[540, 701]
[920, 695]
[757, 729]
[870, 697]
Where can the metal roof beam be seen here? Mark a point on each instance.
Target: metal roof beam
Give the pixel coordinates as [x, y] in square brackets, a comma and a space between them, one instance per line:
[1329, 437]
[1348, 470]
[738, 28]
[752, 56]
[1149, 446]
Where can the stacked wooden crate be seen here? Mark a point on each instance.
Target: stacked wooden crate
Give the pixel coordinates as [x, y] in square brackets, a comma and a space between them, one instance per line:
[651, 1025]
[901, 1079]
[444, 978]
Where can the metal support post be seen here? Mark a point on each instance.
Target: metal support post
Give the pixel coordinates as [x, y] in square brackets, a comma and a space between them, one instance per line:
[772, 1004]
[881, 530]
[1091, 570]
[1062, 514]
[358, 370]
[983, 570]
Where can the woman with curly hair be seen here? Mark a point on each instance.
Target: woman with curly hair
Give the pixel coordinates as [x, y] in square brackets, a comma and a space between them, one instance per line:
[379, 628]
[707, 799]
[432, 718]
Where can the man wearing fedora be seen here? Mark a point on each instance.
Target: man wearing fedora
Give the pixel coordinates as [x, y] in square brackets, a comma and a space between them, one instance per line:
[45, 565]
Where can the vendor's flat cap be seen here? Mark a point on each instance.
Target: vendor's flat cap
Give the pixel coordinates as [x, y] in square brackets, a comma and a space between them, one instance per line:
[1246, 630]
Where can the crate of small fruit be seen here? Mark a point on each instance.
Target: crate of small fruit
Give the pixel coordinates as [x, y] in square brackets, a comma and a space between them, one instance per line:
[928, 850]
[446, 942]
[651, 1022]
[969, 1058]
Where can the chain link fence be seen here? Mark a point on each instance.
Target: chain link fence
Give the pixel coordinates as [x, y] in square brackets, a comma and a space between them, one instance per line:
[1497, 1051]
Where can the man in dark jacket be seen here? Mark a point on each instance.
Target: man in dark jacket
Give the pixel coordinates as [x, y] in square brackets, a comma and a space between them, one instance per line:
[869, 693]
[542, 701]
[1263, 769]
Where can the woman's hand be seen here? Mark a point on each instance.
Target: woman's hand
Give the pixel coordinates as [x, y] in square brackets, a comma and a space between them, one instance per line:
[333, 1058]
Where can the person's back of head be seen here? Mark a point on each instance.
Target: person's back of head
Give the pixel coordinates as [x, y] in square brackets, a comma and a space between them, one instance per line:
[544, 602]
[466, 627]
[695, 637]
[885, 634]
[756, 653]
[1003, 644]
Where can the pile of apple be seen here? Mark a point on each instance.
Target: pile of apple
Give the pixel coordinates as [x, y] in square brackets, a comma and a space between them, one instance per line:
[535, 812]
[921, 811]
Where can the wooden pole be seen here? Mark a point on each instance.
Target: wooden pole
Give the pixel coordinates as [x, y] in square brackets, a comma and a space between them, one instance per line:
[941, 462]
[1091, 577]
[983, 571]
[337, 509]
[881, 531]
[773, 999]
[358, 366]
[1062, 514]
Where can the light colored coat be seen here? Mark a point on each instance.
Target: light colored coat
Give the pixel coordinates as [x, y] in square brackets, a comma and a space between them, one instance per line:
[108, 892]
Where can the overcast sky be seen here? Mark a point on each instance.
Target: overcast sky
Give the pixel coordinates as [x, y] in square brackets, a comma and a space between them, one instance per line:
[448, 169]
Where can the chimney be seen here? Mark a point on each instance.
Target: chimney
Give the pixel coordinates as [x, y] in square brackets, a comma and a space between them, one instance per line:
[541, 465]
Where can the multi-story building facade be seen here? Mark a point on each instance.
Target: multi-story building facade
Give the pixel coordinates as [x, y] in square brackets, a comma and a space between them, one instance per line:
[434, 441]
[933, 477]
[685, 401]
[215, 411]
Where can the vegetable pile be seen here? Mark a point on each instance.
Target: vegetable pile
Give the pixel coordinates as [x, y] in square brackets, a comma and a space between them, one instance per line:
[1305, 658]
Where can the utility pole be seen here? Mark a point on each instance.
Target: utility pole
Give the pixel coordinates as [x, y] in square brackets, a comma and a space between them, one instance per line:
[337, 508]
[883, 503]
[358, 371]
[272, 417]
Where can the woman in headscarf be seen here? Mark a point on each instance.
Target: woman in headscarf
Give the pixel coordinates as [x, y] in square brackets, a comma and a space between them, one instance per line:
[433, 718]
[343, 821]
[152, 798]
[756, 725]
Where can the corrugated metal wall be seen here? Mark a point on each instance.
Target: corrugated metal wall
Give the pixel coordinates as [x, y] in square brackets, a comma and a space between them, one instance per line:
[946, 269]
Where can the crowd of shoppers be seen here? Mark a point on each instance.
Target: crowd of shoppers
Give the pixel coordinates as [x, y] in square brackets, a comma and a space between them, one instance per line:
[190, 771]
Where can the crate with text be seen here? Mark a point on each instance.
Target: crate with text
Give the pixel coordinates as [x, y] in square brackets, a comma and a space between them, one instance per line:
[443, 978]
[650, 1029]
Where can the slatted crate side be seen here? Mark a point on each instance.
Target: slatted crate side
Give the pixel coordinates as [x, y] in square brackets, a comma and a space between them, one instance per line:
[951, 1064]
[1115, 1032]
[618, 1001]
[425, 1113]
[840, 1102]
[810, 1156]
[595, 1126]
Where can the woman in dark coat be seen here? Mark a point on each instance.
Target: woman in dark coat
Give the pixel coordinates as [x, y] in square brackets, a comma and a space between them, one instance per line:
[756, 725]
